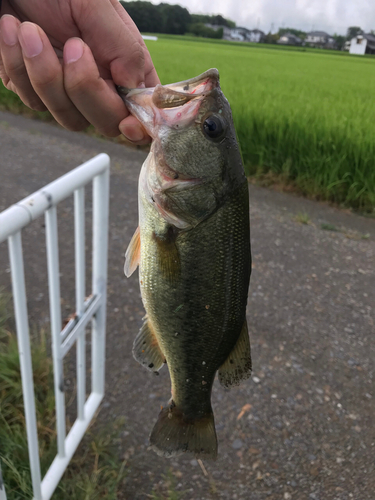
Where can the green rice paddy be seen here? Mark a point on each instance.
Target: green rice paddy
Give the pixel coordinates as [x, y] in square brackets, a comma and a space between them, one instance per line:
[304, 117]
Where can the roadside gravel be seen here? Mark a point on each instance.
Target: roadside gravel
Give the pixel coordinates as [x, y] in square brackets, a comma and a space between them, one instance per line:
[303, 427]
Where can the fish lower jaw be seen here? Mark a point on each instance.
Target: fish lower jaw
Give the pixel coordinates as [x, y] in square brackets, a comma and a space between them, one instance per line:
[178, 184]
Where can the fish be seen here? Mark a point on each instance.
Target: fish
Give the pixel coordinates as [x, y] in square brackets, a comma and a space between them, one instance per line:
[192, 247]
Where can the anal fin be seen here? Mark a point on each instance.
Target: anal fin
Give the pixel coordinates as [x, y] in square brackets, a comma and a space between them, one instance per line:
[146, 349]
[133, 254]
[237, 366]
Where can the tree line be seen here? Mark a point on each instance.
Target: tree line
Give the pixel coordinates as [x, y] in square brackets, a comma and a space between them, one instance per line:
[174, 19]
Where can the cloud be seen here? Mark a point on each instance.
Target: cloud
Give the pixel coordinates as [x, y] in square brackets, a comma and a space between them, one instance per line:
[328, 15]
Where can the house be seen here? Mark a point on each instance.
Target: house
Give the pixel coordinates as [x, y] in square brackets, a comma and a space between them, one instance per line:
[240, 34]
[320, 40]
[362, 44]
[236, 35]
[255, 36]
[289, 39]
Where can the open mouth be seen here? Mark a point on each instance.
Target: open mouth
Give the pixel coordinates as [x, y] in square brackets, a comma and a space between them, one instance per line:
[170, 107]
[175, 94]
[174, 105]
[178, 94]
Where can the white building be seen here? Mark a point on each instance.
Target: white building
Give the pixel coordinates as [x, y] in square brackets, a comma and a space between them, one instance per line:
[362, 44]
[320, 39]
[239, 34]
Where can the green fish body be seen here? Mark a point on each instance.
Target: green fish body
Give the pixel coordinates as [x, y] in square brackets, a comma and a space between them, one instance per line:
[193, 251]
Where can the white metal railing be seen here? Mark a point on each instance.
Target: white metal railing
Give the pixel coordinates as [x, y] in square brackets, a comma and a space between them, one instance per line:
[93, 309]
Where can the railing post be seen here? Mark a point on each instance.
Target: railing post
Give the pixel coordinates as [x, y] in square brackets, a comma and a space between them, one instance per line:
[23, 338]
[99, 277]
[3, 494]
[79, 243]
[55, 318]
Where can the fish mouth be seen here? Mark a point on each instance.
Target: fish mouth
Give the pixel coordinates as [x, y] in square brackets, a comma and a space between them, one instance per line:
[175, 105]
[185, 90]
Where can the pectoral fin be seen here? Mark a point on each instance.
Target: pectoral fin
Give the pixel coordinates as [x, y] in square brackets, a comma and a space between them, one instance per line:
[133, 254]
[237, 366]
[146, 349]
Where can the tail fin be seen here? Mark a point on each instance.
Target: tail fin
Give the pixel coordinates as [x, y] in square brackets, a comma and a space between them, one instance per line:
[172, 435]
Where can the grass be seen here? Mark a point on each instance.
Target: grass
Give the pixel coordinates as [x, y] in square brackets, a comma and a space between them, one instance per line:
[302, 218]
[95, 471]
[303, 116]
[326, 226]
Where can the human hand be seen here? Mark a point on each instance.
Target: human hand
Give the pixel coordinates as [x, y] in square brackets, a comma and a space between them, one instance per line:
[67, 56]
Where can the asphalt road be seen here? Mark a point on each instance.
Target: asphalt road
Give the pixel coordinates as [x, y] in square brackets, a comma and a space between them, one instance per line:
[304, 426]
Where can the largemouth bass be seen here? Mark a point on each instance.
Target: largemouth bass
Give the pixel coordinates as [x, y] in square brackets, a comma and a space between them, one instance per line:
[193, 251]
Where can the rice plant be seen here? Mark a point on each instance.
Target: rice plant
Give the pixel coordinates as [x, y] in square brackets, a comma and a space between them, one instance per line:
[305, 116]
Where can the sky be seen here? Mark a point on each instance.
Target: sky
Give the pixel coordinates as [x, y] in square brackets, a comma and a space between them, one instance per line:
[333, 16]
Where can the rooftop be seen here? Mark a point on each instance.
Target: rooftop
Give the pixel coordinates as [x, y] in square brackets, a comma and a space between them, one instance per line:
[318, 33]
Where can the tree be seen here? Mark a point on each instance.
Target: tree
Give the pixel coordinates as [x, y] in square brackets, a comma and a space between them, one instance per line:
[199, 29]
[175, 19]
[214, 20]
[340, 41]
[353, 31]
[200, 18]
[146, 16]
[271, 38]
[299, 33]
[221, 21]
[162, 18]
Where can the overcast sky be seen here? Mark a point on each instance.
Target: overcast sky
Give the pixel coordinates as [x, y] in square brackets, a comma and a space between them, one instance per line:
[327, 15]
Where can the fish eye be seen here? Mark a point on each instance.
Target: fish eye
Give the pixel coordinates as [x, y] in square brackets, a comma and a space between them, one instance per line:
[213, 127]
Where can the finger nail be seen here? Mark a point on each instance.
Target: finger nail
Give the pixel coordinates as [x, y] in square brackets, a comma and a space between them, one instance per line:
[141, 85]
[30, 40]
[73, 50]
[9, 27]
[134, 134]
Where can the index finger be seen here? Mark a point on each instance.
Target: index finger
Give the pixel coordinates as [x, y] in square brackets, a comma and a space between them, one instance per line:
[115, 42]
[151, 76]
